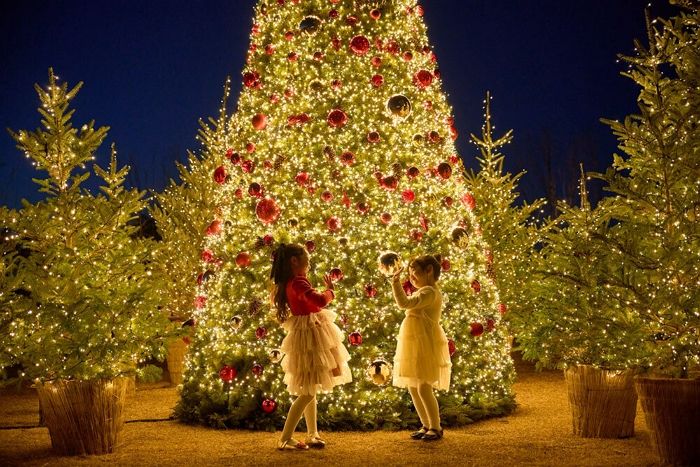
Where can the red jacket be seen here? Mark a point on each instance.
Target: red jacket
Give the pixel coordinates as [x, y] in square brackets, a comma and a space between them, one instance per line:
[304, 299]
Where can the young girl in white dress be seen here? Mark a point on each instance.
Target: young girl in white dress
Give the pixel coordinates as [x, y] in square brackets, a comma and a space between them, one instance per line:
[422, 360]
[315, 358]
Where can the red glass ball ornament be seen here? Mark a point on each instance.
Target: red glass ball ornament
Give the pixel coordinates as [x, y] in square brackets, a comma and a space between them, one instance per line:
[355, 339]
[255, 190]
[288, 93]
[268, 405]
[412, 172]
[336, 43]
[333, 224]
[347, 158]
[229, 153]
[451, 346]
[377, 80]
[268, 240]
[445, 265]
[251, 79]
[373, 137]
[227, 373]
[337, 118]
[502, 308]
[207, 256]
[363, 207]
[269, 49]
[408, 287]
[243, 259]
[310, 246]
[476, 329]
[376, 62]
[370, 291]
[447, 201]
[250, 148]
[351, 20]
[336, 274]
[302, 178]
[419, 10]
[327, 196]
[261, 332]
[375, 14]
[490, 324]
[247, 166]
[408, 196]
[476, 286]
[445, 170]
[454, 133]
[289, 35]
[389, 183]
[385, 218]
[469, 201]
[214, 228]
[434, 137]
[257, 369]
[336, 84]
[292, 56]
[416, 235]
[220, 175]
[393, 47]
[318, 56]
[200, 302]
[259, 121]
[235, 158]
[454, 158]
[423, 79]
[267, 210]
[407, 56]
[359, 45]
[333, 13]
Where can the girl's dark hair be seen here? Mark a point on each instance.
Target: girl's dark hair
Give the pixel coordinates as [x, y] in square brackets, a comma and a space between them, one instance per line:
[428, 260]
[281, 273]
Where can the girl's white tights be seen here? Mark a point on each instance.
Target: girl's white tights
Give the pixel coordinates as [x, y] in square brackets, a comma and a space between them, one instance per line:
[303, 405]
[426, 405]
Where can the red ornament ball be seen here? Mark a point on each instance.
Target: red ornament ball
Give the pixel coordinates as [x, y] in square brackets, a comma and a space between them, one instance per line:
[445, 170]
[347, 158]
[389, 183]
[476, 286]
[247, 166]
[393, 47]
[451, 346]
[220, 175]
[363, 207]
[351, 20]
[268, 405]
[336, 274]
[377, 80]
[302, 178]
[359, 45]
[337, 118]
[214, 228]
[336, 84]
[373, 137]
[250, 147]
[407, 56]
[445, 265]
[476, 329]
[318, 56]
[267, 210]
[269, 49]
[408, 287]
[454, 158]
[259, 121]
[261, 332]
[333, 13]
[447, 201]
[423, 79]
[255, 190]
[227, 373]
[257, 369]
[235, 158]
[502, 308]
[310, 246]
[200, 302]
[416, 235]
[469, 201]
[243, 259]
[376, 61]
[251, 79]
[333, 223]
[375, 14]
[207, 256]
[412, 172]
[385, 218]
[327, 196]
[289, 35]
[408, 196]
[370, 291]
[355, 338]
[292, 56]
[268, 240]
[490, 324]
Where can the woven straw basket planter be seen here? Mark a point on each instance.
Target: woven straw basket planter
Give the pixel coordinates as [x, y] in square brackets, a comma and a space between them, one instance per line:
[672, 411]
[603, 403]
[84, 417]
[176, 360]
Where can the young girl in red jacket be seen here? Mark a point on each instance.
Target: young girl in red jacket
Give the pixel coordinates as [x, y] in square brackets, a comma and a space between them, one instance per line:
[315, 358]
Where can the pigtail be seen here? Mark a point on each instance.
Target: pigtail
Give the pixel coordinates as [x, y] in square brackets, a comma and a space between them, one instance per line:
[280, 274]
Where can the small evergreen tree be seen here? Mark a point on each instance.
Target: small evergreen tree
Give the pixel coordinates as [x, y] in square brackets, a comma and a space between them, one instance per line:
[93, 307]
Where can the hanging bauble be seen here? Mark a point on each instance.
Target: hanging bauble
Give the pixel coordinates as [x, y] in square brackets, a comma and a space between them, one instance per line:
[490, 324]
[292, 56]
[238, 194]
[333, 14]
[445, 170]
[389, 263]
[418, 139]
[327, 196]
[370, 291]
[416, 235]
[359, 45]
[389, 183]
[261, 332]
[337, 118]
[476, 286]
[408, 287]
[204, 276]
[220, 175]
[336, 274]
[447, 201]
[235, 158]
[255, 190]
[412, 172]
[362, 207]
[247, 166]
[200, 302]
[315, 86]
[355, 338]
[227, 373]
[502, 308]
[259, 121]
[343, 241]
[251, 79]
[399, 106]
[385, 217]
[458, 233]
[476, 329]
[347, 158]
[336, 84]
[310, 25]
[375, 14]
[408, 196]
[445, 265]
[373, 137]
[379, 372]
[207, 256]
[393, 47]
[333, 223]
[302, 178]
[351, 20]
[310, 246]
[318, 56]
[289, 35]
[236, 322]
[214, 228]
[268, 405]
[377, 80]
[419, 10]
[269, 49]
[275, 355]
[257, 369]
[454, 134]
[243, 259]
[423, 79]
[268, 240]
[469, 201]
[451, 347]
[434, 137]
[267, 210]
[376, 61]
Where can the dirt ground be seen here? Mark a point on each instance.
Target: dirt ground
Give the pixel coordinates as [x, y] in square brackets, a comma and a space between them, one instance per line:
[538, 433]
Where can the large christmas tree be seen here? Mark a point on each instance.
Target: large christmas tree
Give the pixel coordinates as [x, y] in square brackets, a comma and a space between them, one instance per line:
[343, 142]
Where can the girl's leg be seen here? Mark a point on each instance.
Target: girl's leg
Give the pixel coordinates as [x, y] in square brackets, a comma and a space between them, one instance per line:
[420, 407]
[296, 410]
[425, 391]
[310, 417]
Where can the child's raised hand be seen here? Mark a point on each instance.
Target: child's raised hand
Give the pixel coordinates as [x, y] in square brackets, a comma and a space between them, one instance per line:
[328, 281]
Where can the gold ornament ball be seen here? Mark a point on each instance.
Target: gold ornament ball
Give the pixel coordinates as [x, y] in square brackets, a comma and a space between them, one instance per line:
[275, 355]
[236, 322]
[389, 263]
[379, 372]
[417, 140]
[310, 25]
[399, 106]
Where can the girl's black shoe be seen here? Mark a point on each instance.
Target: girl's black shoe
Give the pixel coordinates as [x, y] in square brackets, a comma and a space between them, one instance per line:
[419, 434]
[432, 434]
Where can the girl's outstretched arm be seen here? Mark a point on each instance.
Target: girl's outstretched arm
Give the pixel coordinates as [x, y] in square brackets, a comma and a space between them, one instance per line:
[302, 287]
[423, 297]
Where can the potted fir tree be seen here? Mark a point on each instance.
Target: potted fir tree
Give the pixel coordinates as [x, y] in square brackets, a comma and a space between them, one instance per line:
[656, 236]
[93, 308]
[583, 325]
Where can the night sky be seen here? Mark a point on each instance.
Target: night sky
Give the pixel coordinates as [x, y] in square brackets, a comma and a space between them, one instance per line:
[153, 68]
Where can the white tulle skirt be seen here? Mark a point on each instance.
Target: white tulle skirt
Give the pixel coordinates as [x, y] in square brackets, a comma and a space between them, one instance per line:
[422, 354]
[315, 358]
